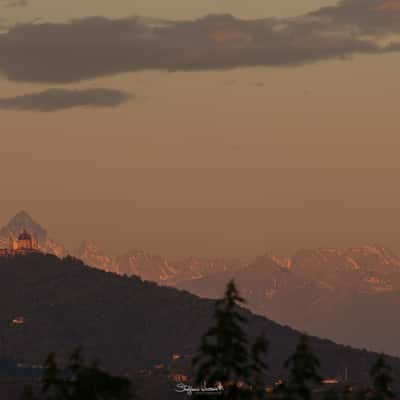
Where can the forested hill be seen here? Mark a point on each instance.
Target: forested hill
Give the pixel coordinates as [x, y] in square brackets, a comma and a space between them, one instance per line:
[126, 323]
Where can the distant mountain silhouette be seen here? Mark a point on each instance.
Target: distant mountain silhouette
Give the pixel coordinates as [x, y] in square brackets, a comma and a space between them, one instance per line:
[350, 296]
[127, 323]
[23, 221]
[135, 262]
[153, 267]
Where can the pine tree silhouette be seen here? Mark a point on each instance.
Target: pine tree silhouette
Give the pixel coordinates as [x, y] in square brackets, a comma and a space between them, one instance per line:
[80, 381]
[381, 374]
[258, 367]
[28, 394]
[89, 382]
[223, 356]
[331, 395]
[347, 393]
[303, 368]
[360, 394]
[54, 386]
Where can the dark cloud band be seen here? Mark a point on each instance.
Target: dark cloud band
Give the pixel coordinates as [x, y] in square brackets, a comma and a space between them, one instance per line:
[92, 47]
[60, 99]
[14, 3]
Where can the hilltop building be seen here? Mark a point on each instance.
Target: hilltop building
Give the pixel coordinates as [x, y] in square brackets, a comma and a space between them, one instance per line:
[24, 244]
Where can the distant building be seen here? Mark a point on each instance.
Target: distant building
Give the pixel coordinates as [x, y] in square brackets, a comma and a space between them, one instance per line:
[179, 377]
[18, 321]
[330, 381]
[24, 244]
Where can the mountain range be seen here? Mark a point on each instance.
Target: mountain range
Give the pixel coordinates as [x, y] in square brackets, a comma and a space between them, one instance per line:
[350, 296]
[134, 262]
[127, 323]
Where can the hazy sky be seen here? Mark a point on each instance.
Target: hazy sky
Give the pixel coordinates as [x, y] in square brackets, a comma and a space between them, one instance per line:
[270, 125]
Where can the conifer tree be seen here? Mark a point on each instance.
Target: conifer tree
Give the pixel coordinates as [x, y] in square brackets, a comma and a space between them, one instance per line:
[360, 394]
[54, 386]
[90, 382]
[258, 367]
[303, 368]
[347, 393]
[28, 394]
[223, 356]
[79, 381]
[381, 374]
[331, 395]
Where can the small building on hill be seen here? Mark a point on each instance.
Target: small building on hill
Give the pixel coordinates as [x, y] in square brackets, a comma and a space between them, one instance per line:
[24, 244]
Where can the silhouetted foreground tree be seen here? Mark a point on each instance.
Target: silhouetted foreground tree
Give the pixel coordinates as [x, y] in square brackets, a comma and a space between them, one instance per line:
[226, 357]
[331, 395]
[303, 376]
[381, 375]
[223, 355]
[79, 381]
[258, 367]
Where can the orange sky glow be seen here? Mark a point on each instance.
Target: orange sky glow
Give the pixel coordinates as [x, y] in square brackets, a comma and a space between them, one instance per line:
[203, 160]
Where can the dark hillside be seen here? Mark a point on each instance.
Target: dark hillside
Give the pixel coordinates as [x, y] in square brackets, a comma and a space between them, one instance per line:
[127, 323]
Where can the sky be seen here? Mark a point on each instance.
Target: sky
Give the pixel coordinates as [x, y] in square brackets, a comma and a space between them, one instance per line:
[204, 128]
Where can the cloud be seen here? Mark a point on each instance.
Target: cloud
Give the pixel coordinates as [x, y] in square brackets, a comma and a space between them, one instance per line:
[14, 3]
[93, 47]
[375, 17]
[60, 99]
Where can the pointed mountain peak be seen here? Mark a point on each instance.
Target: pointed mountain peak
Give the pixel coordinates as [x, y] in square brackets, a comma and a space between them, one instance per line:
[22, 216]
[23, 221]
